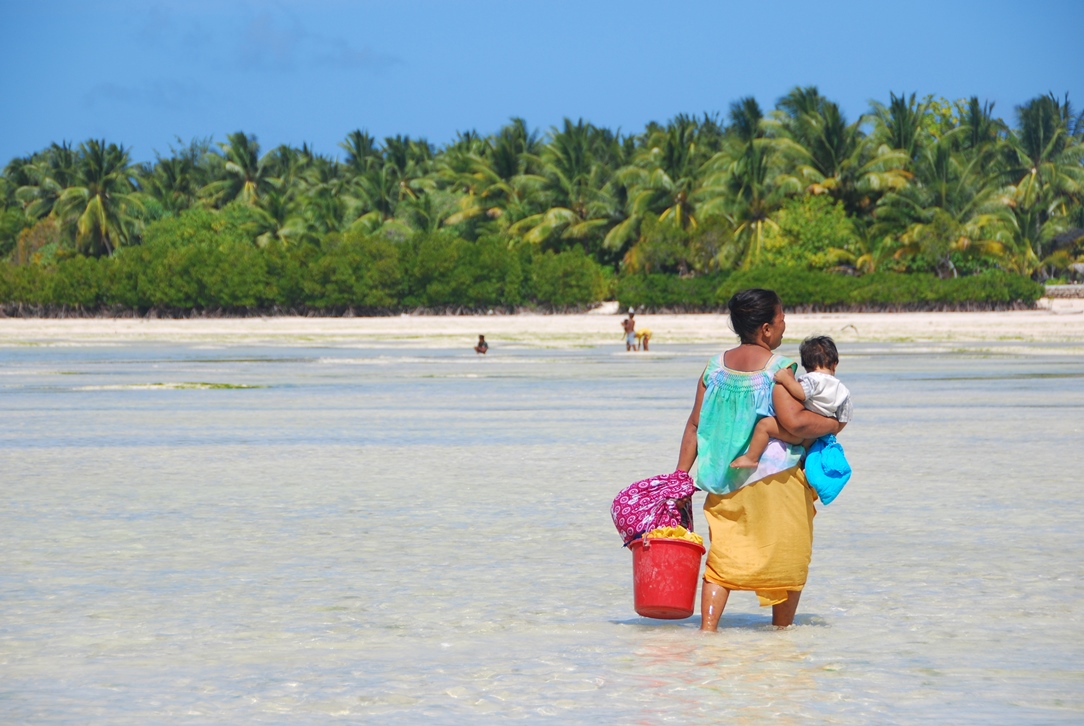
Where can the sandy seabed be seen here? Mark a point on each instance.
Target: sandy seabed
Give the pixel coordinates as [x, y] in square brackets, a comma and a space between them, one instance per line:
[1053, 321]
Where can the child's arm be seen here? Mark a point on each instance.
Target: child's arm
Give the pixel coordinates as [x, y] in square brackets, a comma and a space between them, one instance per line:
[786, 379]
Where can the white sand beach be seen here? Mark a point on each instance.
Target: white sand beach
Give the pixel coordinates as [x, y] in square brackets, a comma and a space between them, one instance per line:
[1054, 321]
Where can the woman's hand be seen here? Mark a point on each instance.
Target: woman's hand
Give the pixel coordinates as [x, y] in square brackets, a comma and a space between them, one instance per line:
[785, 378]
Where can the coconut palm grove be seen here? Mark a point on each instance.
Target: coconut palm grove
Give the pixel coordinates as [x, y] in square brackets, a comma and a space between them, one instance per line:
[919, 203]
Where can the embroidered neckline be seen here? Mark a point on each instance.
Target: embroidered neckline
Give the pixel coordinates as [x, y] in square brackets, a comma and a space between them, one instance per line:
[728, 369]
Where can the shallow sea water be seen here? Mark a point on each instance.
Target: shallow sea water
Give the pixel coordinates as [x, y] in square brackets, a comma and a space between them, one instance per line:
[300, 534]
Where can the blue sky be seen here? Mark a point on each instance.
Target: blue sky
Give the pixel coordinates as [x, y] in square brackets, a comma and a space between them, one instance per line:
[142, 73]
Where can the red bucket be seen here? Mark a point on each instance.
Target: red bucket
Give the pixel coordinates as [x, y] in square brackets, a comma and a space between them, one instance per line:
[665, 573]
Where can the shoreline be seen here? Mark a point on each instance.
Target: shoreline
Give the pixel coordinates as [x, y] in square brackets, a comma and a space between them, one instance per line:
[1054, 320]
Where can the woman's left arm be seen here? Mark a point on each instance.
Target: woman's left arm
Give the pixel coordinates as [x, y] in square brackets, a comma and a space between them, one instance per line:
[794, 417]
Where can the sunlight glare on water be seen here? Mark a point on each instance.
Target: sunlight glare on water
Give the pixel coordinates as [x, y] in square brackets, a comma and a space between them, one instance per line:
[302, 534]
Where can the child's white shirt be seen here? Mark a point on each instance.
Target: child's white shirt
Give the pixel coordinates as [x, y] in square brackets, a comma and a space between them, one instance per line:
[825, 394]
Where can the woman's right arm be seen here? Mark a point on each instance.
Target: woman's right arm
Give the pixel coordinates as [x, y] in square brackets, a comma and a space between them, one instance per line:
[794, 417]
[687, 455]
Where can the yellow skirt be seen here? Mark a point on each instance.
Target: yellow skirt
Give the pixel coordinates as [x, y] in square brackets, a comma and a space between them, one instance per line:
[762, 536]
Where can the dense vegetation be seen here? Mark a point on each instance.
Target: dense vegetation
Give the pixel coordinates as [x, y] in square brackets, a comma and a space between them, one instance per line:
[919, 202]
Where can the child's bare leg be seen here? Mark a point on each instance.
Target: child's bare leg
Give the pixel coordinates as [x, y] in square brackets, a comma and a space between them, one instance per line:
[766, 428]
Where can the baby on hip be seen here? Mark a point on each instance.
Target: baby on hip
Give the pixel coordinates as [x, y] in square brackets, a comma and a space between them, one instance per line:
[819, 391]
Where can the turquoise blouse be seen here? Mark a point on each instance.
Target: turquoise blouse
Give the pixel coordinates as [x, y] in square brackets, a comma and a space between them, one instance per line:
[733, 403]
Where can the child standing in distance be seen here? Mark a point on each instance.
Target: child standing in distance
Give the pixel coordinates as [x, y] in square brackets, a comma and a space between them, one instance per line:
[629, 326]
[483, 347]
[818, 389]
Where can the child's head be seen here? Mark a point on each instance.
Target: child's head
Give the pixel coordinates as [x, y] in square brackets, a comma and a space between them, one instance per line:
[819, 352]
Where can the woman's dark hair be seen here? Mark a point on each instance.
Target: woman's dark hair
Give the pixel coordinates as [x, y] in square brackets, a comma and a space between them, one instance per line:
[749, 309]
[818, 352]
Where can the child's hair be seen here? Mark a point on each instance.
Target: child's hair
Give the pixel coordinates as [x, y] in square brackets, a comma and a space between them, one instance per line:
[749, 309]
[818, 351]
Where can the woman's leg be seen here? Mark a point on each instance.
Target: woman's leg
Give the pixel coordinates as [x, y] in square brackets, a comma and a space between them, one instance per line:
[783, 613]
[712, 601]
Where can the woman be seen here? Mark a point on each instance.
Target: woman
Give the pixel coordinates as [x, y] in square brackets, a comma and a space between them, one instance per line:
[760, 520]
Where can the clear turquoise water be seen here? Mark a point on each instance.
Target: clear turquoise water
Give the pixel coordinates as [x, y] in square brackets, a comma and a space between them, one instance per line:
[423, 535]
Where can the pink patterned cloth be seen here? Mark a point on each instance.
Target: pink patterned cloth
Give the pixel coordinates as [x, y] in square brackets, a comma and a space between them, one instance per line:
[664, 500]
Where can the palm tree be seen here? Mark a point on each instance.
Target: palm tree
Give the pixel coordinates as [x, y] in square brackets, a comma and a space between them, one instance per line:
[45, 176]
[279, 218]
[101, 202]
[746, 175]
[576, 203]
[951, 211]
[900, 125]
[373, 194]
[666, 177]
[982, 134]
[247, 174]
[325, 197]
[175, 181]
[1045, 158]
[362, 153]
[830, 156]
[515, 151]
[493, 175]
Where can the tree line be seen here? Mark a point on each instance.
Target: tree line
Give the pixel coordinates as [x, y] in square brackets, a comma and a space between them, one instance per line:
[928, 187]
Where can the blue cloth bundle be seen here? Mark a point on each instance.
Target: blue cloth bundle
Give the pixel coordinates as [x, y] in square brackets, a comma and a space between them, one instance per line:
[826, 468]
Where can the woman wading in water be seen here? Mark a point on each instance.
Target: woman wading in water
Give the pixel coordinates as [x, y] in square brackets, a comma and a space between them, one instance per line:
[760, 520]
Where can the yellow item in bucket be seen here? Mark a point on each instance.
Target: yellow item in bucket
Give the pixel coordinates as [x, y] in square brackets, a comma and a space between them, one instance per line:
[674, 533]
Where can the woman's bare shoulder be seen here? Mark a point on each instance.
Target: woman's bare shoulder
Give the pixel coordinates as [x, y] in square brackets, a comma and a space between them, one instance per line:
[746, 358]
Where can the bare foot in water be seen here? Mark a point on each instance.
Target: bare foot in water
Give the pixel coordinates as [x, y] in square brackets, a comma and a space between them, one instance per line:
[744, 462]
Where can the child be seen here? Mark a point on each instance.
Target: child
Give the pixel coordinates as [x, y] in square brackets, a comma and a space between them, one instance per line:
[819, 389]
[643, 336]
[629, 326]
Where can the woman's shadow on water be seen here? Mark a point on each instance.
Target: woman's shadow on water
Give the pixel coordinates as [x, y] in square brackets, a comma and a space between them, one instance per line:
[736, 621]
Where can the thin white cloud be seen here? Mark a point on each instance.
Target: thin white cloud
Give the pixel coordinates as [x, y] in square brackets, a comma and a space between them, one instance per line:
[267, 44]
[338, 53]
[166, 94]
[281, 42]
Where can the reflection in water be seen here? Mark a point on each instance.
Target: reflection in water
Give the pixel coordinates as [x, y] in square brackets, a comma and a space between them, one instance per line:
[313, 535]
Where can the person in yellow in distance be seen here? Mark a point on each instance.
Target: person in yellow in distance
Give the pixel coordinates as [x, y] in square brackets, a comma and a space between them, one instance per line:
[643, 335]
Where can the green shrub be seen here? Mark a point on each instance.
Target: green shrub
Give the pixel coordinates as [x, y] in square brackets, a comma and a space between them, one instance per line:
[812, 231]
[287, 273]
[354, 270]
[567, 279]
[12, 222]
[800, 287]
[663, 247]
[658, 291]
[25, 284]
[797, 286]
[442, 270]
[198, 259]
[77, 282]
